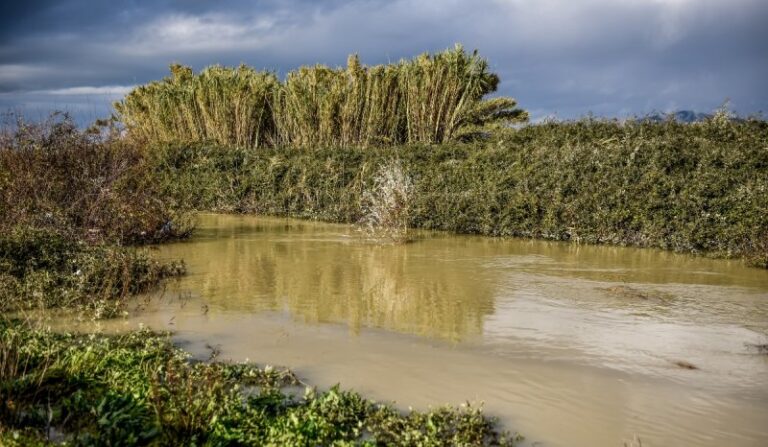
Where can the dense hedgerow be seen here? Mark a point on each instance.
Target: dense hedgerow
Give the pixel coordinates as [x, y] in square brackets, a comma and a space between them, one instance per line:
[137, 389]
[700, 188]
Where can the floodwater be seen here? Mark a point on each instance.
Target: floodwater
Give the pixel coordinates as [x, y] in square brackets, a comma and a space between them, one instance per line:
[568, 345]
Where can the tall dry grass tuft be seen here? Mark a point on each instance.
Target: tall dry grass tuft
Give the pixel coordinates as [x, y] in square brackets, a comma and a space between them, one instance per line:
[429, 99]
[387, 205]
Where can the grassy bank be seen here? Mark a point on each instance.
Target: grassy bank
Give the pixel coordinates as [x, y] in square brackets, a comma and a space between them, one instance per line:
[137, 389]
[696, 188]
[70, 203]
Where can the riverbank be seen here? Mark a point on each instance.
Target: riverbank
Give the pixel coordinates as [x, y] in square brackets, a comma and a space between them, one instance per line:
[138, 389]
[697, 188]
[571, 345]
[693, 188]
[73, 203]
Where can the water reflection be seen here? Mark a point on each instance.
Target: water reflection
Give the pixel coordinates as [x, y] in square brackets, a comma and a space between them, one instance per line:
[446, 286]
[326, 273]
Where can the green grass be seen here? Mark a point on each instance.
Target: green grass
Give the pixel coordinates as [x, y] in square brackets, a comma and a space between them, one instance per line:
[137, 389]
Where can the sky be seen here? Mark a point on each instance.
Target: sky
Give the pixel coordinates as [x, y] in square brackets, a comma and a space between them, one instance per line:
[558, 58]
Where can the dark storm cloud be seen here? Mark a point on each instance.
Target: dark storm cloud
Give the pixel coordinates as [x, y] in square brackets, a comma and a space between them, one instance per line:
[610, 57]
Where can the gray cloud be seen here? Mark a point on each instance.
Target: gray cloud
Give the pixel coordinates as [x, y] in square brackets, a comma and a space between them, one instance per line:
[610, 57]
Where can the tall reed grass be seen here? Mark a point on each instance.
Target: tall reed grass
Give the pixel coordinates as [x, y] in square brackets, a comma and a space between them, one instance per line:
[223, 105]
[429, 99]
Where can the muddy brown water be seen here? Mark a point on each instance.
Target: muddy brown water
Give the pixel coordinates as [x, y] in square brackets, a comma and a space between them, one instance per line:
[569, 345]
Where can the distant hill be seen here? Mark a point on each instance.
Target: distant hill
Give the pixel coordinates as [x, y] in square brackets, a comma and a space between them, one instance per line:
[682, 116]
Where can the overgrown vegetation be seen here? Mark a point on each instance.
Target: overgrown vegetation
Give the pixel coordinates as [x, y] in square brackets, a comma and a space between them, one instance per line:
[698, 188]
[430, 99]
[93, 185]
[44, 269]
[69, 200]
[137, 389]
[412, 144]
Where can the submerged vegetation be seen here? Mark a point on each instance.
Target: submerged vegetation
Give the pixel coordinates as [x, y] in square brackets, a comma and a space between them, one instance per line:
[430, 99]
[137, 389]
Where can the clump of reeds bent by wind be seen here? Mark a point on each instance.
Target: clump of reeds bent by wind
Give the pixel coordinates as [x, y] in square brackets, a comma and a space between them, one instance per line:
[429, 99]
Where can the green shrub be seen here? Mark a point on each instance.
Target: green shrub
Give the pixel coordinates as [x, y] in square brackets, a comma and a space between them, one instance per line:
[40, 268]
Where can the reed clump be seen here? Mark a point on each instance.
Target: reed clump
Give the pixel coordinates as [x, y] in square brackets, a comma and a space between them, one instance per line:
[230, 106]
[429, 99]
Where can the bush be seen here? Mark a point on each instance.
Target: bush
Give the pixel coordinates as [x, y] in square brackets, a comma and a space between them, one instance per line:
[93, 185]
[43, 269]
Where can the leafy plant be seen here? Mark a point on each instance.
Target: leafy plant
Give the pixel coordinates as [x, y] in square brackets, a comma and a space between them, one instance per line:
[136, 389]
[42, 268]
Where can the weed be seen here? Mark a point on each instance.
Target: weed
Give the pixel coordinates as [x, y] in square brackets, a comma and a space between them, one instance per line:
[44, 269]
[95, 187]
